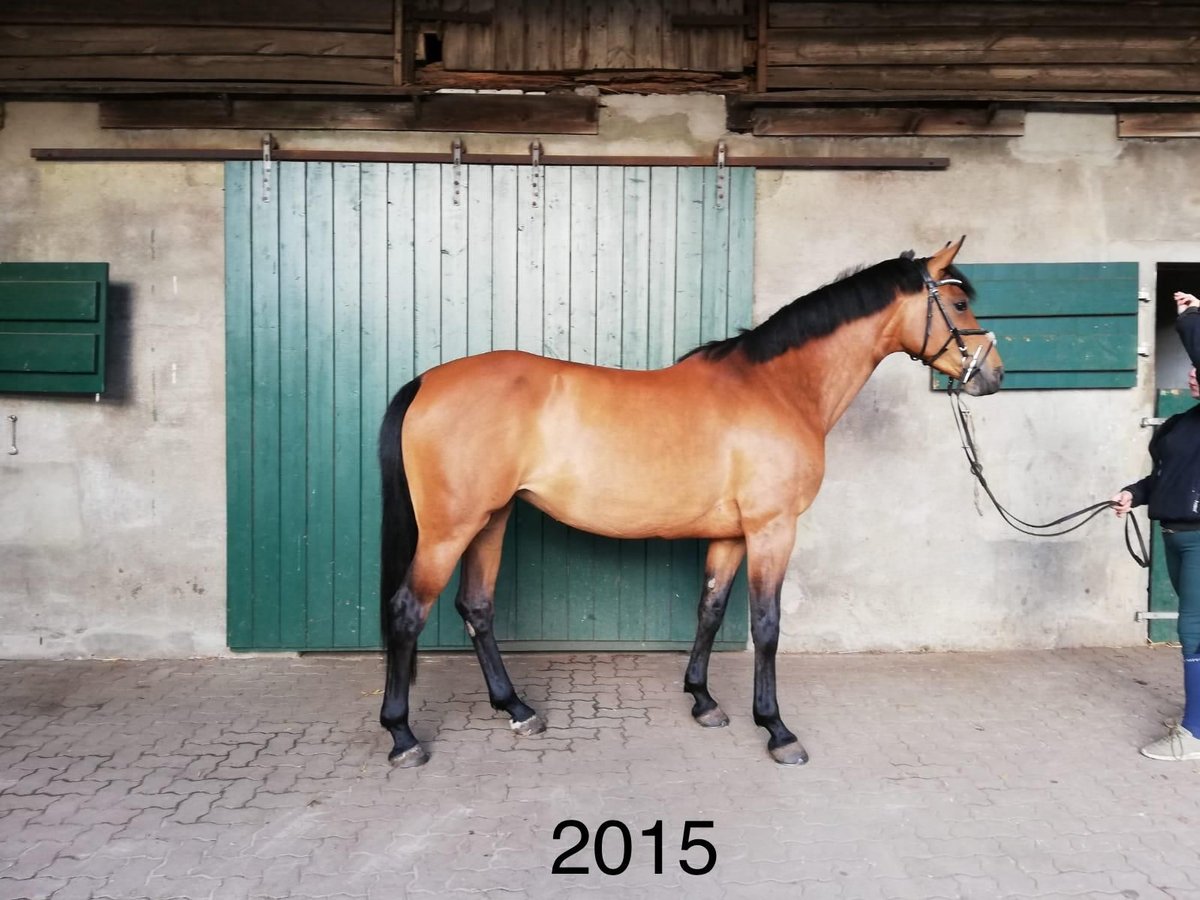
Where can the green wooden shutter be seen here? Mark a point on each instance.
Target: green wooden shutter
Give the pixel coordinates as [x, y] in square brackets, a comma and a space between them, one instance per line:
[52, 327]
[1162, 595]
[356, 277]
[1060, 325]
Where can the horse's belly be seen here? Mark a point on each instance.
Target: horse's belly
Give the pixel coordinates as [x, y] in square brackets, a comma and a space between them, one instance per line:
[611, 512]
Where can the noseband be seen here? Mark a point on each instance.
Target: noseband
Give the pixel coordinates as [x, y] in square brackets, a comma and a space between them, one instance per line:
[970, 363]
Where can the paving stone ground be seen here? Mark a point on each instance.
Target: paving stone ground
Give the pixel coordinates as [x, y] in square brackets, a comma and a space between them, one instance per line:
[988, 775]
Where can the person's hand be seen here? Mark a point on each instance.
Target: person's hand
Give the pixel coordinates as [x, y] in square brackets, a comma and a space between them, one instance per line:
[1122, 503]
[1185, 301]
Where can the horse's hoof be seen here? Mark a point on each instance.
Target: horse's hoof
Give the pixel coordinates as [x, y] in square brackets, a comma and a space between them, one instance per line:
[792, 754]
[713, 718]
[408, 759]
[532, 725]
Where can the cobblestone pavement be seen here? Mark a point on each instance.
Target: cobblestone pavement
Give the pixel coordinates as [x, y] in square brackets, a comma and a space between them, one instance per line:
[939, 775]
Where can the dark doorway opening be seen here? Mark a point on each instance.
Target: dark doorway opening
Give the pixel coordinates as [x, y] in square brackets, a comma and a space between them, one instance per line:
[1171, 363]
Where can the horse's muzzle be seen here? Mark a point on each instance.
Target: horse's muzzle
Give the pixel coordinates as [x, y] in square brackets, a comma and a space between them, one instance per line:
[986, 381]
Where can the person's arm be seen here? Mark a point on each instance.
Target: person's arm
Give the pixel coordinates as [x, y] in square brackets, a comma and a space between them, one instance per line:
[1188, 324]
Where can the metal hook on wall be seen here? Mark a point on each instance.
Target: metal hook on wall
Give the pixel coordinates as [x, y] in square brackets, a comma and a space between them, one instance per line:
[12, 423]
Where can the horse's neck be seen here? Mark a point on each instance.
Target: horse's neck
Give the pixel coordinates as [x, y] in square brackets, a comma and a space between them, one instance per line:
[829, 372]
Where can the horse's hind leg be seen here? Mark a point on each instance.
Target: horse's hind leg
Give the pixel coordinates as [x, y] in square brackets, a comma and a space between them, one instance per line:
[431, 569]
[476, 604]
[724, 557]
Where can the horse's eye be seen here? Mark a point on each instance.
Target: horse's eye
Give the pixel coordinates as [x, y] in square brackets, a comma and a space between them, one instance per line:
[960, 305]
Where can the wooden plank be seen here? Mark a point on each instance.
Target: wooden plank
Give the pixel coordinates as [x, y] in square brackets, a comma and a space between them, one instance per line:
[336, 15]
[504, 256]
[427, 268]
[609, 246]
[358, 115]
[348, 436]
[319, 248]
[621, 34]
[1051, 77]
[1146, 124]
[584, 262]
[870, 121]
[595, 44]
[293, 408]
[1059, 289]
[635, 268]
[239, 472]
[548, 114]
[147, 87]
[346, 70]
[574, 30]
[374, 397]
[107, 40]
[509, 29]
[264, 428]
[401, 233]
[988, 45]
[1117, 98]
[454, 268]
[689, 260]
[556, 343]
[936, 16]
[648, 36]
[475, 191]
[714, 288]
[733, 52]
[543, 36]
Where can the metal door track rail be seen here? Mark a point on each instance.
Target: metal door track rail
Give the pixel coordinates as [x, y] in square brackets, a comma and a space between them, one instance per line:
[166, 154]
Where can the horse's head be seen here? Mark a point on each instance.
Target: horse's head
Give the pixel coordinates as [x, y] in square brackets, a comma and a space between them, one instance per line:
[938, 327]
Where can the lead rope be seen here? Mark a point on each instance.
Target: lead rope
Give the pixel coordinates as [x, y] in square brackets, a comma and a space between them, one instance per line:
[962, 422]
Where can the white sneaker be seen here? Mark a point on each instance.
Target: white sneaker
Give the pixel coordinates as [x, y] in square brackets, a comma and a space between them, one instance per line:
[1177, 744]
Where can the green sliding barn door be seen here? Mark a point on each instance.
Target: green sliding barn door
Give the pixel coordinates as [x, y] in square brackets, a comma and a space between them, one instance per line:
[345, 280]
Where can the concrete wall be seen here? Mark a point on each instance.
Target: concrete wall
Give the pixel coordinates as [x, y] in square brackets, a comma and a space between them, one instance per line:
[113, 513]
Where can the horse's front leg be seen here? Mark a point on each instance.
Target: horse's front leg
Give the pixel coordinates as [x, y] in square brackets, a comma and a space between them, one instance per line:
[724, 557]
[768, 550]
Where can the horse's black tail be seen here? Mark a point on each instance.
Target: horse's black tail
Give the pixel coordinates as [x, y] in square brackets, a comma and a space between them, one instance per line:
[398, 529]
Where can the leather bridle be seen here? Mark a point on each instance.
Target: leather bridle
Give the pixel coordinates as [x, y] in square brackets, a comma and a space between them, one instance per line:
[970, 362]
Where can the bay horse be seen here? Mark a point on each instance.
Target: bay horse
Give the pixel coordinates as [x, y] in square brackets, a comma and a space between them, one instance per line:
[727, 444]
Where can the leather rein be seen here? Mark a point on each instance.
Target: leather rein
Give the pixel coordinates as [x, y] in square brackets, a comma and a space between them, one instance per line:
[962, 421]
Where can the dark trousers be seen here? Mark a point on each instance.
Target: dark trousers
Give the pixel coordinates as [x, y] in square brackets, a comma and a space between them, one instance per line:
[1183, 565]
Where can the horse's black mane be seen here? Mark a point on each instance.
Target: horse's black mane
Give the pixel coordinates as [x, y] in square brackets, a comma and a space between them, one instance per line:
[857, 293]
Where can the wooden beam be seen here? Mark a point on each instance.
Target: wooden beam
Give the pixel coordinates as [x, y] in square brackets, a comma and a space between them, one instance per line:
[335, 15]
[1159, 124]
[925, 16]
[156, 154]
[275, 115]
[986, 45]
[983, 78]
[875, 122]
[871, 96]
[346, 70]
[98, 40]
[505, 114]
[82, 89]
[552, 114]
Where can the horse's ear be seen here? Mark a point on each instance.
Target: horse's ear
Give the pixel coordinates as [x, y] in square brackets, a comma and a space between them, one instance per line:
[942, 260]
